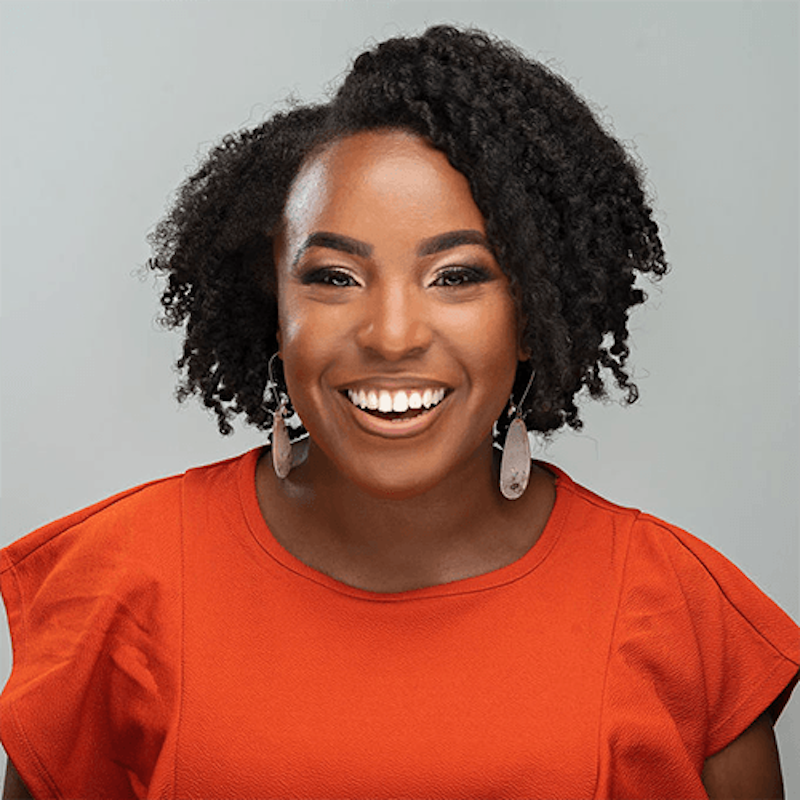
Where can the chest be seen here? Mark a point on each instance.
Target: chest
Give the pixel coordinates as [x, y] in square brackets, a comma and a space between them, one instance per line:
[291, 690]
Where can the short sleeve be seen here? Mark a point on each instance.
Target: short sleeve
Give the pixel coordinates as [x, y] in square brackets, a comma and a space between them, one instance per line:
[93, 613]
[699, 652]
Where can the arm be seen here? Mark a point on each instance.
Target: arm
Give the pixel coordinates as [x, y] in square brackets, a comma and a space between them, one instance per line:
[14, 788]
[748, 768]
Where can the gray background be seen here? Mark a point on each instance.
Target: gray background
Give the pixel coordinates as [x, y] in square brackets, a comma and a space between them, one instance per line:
[107, 106]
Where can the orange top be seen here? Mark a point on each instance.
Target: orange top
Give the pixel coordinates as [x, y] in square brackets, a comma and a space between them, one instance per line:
[165, 645]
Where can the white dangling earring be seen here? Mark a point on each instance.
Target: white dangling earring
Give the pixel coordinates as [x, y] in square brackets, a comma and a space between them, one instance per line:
[281, 445]
[515, 464]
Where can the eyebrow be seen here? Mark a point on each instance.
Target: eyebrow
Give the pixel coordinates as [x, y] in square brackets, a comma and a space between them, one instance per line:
[428, 247]
[450, 240]
[333, 241]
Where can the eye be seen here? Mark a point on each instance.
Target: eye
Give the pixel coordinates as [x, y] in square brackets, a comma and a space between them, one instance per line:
[329, 276]
[461, 276]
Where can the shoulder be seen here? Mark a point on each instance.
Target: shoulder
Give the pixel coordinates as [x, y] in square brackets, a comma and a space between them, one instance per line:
[94, 604]
[133, 519]
[714, 591]
[661, 560]
[99, 570]
[697, 651]
[694, 637]
[120, 558]
[666, 567]
[145, 519]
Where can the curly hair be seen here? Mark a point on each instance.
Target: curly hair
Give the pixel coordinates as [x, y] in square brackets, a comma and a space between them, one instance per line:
[563, 203]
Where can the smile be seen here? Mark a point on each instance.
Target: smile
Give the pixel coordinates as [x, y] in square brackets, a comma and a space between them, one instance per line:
[396, 405]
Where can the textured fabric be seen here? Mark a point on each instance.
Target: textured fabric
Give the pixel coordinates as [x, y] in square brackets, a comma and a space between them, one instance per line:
[165, 645]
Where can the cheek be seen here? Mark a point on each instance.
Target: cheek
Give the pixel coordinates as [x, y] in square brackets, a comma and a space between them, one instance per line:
[289, 320]
[310, 339]
[489, 338]
[500, 352]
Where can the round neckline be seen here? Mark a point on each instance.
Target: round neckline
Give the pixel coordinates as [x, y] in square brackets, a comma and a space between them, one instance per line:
[529, 561]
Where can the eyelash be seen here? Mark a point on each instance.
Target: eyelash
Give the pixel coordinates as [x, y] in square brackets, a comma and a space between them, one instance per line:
[465, 276]
[448, 278]
[328, 277]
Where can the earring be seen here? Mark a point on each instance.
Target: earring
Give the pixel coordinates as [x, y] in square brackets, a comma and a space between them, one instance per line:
[515, 464]
[281, 445]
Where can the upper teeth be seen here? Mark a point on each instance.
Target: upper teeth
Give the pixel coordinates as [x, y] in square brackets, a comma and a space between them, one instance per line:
[386, 402]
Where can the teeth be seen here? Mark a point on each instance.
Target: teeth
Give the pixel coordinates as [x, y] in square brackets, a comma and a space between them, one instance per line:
[397, 402]
[384, 402]
[400, 402]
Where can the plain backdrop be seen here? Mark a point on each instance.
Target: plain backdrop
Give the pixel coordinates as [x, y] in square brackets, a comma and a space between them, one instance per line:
[107, 106]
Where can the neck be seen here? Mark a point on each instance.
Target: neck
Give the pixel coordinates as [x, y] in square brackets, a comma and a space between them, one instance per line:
[460, 527]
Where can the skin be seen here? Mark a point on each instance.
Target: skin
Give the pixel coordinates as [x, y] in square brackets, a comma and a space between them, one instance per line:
[748, 768]
[14, 788]
[389, 297]
[385, 280]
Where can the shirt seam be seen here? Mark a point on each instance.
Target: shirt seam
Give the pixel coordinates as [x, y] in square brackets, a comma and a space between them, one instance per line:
[712, 728]
[713, 745]
[611, 641]
[182, 659]
[36, 760]
[664, 527]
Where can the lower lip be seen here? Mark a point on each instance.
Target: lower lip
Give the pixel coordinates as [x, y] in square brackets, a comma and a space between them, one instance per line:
[394, 429]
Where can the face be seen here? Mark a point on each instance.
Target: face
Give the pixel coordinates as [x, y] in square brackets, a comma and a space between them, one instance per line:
[397, 329]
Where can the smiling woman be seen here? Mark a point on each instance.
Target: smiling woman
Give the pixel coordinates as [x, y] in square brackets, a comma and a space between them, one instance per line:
[395, 287]
[388, 288]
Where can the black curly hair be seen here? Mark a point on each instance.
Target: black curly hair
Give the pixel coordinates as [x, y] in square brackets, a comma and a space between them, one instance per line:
[563, 202]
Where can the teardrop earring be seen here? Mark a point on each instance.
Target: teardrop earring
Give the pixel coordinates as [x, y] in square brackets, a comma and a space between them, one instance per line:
[515, 464]
[281, 445]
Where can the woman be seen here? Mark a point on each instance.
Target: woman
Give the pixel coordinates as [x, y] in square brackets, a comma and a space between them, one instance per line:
[392, 600]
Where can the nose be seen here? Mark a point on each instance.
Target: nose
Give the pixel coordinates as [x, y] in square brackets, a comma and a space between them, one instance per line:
[395, 324]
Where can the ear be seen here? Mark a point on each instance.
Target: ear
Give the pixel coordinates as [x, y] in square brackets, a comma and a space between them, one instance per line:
[279, 337]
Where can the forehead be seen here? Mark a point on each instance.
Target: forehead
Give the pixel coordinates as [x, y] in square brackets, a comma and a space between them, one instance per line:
[372, 177]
